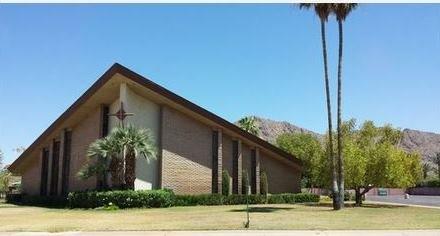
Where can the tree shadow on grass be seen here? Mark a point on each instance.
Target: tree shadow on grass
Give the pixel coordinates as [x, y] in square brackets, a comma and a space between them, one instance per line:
[352, 205]
[263, 209]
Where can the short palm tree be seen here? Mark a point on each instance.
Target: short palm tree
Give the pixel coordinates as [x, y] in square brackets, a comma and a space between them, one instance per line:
[249, 124]
[341, 11]
[117, 153]
[323, 11]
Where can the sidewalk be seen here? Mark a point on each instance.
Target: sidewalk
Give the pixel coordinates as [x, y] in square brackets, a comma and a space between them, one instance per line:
[244, 232]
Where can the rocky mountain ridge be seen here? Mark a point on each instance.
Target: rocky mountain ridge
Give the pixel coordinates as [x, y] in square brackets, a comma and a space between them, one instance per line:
[426, 143]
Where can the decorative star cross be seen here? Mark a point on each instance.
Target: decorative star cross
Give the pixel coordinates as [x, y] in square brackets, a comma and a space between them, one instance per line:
[121, 114]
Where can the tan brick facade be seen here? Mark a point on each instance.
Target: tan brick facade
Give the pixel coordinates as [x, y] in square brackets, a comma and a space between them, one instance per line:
[83, 135]
[281, 177]
[186, 153]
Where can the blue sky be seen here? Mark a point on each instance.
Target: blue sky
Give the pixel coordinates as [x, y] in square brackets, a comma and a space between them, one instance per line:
[234, 60]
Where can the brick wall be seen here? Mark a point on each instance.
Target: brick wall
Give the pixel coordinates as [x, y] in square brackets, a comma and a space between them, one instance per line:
[83, 135]
[227, 160]
[30, 181]
[282, 178]
[186, 154]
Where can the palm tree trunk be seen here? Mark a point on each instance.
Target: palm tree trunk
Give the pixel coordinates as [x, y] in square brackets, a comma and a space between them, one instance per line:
[340, 146]
[336, 202]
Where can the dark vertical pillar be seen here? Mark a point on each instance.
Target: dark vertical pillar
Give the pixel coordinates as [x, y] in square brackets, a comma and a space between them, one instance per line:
[44, 171]
[101, 180]
[55, 168]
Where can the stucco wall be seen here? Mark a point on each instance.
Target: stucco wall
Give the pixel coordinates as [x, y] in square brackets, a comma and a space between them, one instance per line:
[186, 154]
[83, 135]
[146, 116]
[281, 177]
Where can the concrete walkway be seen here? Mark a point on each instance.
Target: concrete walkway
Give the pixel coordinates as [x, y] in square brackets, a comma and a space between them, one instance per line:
[246, 232]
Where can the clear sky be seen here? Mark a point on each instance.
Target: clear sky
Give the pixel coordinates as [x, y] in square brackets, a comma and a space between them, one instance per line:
[234, 60]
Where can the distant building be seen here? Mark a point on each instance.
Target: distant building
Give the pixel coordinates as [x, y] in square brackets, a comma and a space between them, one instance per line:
[194, 144]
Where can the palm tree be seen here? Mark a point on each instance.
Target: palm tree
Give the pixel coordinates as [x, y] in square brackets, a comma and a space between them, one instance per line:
[323, 11]
[117, 153]
[249, 124]
[341, 11]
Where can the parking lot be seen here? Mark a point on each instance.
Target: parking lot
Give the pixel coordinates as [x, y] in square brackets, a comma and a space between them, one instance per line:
[412, 200]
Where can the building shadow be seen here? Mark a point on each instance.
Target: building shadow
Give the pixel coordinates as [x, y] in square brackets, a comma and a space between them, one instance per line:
[263, 209]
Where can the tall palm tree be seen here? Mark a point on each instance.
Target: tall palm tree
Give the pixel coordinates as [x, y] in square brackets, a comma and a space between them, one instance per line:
[341, 11]
[323, 11]
[117, 153]
[249, 124]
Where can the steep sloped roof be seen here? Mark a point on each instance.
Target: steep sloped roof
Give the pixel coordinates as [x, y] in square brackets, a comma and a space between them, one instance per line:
[119, 69]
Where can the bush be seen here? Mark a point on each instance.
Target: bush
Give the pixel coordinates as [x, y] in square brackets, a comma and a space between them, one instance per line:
[244, 182]
[195, 200]
[226, 183]
[264, 186]
[291, 198]
[122, 199]
[429, 183]
[29, 200]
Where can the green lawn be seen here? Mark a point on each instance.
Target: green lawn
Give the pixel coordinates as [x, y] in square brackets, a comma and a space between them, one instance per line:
[21, 218]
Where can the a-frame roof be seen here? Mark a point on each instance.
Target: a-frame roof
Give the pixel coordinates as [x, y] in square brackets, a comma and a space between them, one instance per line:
[131, 75]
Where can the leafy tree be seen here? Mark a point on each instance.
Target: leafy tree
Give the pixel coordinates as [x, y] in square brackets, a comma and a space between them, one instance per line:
[323, 11]
[249, 124]
[307, 148]
[122, 146]
[226, 183]
[341, 11]
[373, 159]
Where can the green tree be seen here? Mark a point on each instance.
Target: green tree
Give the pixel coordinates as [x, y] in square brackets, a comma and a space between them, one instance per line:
[323, 11]
[341, 11]
[123, 146]
[373, 159]
[307, 148]
[249, 124]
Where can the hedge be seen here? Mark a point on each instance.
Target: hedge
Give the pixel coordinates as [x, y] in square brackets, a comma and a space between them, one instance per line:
[122, 199]
[46, 201]
[166, 198]
[429, 183]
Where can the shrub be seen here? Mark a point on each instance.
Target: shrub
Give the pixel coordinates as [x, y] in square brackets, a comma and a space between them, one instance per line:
[122, 199]
[244, 182]
[291, 198]
[429, 183]
[264, 187]
[202, 199]
[35, 200]
[226, 183]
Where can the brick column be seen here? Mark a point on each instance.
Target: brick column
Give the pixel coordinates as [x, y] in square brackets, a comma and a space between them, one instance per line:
[217, 156]
[257, 170]
[237, 168]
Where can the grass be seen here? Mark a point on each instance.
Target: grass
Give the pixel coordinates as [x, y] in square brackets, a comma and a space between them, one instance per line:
[24, 218]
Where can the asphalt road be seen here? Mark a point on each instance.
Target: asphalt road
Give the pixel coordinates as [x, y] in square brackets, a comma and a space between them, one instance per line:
[413, 200]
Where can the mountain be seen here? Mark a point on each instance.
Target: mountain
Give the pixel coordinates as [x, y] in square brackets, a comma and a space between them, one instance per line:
[270, 129]
[426, 143]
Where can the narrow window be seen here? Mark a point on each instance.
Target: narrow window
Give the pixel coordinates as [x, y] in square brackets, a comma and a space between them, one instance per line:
[66, 162]
[104, 120]
[44, 172]
[55, 168]
[235, 166]
[253, 171]
[215, 162]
